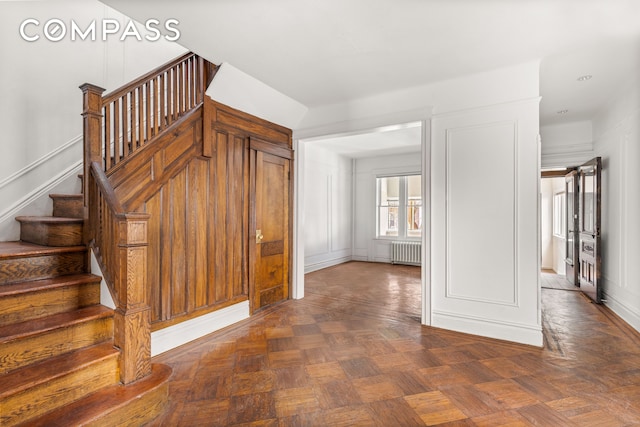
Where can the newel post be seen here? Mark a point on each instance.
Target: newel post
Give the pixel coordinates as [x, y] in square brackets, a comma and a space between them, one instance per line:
[92, 131]
[133, 315]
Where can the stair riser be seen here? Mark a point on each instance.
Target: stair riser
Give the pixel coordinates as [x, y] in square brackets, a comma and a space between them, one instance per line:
[43, 398]
[34, 305]
[42, 267]
[51, 234]
[68, 207]
[24, 351]
[136, 413]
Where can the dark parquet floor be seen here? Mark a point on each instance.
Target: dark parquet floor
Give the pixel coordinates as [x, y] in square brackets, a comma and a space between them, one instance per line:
[353, 353]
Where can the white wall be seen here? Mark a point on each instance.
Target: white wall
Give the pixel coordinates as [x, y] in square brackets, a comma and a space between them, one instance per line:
[328, 212]
[366, 246]
[552, 247]
[40, 102]
[616, 133]
[559, 243]
[546, 224]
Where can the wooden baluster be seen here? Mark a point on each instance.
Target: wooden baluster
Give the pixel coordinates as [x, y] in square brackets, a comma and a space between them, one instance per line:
[116, 131]
[155, 113]
[174, 94]
[190, 89]
[132, 123]
[147, 109]
[163, 102]
[140, 109]
[179, 91]
[126, 147]
[107, 137]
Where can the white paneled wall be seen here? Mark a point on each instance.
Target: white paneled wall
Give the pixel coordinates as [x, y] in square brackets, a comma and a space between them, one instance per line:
[485, 177]
[617, 139]
[328, 212]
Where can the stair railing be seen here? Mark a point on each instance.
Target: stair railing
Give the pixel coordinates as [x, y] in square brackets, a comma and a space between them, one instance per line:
[119, 242]
[140, 111]
[115, 127]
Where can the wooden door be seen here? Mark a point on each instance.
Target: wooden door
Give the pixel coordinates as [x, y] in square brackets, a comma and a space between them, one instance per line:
[572, 236]
[589, 226]
[270, 229]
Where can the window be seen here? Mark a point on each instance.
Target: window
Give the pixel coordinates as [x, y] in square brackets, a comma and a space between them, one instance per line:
[399, 197]
[559, 215]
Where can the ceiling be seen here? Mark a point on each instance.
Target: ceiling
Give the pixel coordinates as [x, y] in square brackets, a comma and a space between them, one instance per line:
[326, 52]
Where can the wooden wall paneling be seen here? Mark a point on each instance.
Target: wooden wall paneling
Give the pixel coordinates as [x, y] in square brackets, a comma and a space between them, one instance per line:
[253, 227]
[154, 208]
[220, 216]
[213, 233]
[236, 199]
[141, 176]
[225, 116]
[178, 245]
[239, 120]
[199, 230]
[166, 255]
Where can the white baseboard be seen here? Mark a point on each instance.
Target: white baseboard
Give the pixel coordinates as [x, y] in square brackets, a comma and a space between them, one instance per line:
[514, 332]
[308, 268]
[182, 333]
[628, 314]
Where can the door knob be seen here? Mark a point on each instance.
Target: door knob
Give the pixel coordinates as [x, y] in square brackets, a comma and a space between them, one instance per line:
[259, 236]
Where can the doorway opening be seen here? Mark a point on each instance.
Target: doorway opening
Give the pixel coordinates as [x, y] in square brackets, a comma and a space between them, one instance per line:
[553, 232]
[570, 227]
[339, 210]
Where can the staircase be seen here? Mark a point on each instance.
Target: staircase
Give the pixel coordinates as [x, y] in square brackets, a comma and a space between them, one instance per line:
[58, 364]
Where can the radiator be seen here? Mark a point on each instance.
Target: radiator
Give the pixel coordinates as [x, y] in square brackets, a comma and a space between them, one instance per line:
[406, 253]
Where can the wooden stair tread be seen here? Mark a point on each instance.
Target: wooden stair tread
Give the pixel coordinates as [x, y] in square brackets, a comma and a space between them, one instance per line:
[103, 402]
[44, 284]
[36, 326]
[42, 372]
[19, 249]
[50, 219]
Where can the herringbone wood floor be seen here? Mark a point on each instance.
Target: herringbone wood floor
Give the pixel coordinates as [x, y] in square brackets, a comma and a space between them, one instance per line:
[352, 353]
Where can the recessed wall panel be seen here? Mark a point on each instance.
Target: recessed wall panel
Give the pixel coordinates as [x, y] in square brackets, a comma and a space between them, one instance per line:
[481, 213]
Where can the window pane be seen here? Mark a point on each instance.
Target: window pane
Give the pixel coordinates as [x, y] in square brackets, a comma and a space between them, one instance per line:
[388, 199]
[414, 205]
[559, 215]
[588, 183]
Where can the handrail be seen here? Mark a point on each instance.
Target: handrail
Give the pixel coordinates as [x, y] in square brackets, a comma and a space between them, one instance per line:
[117, 93]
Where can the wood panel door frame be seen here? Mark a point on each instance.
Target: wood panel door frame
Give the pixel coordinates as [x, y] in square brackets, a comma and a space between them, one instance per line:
[258, 150]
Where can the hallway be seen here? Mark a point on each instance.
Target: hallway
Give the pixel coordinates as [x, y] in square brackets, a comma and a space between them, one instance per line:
[352, 352]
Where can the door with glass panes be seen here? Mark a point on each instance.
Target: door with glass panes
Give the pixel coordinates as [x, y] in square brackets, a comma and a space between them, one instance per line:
[584, 260]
